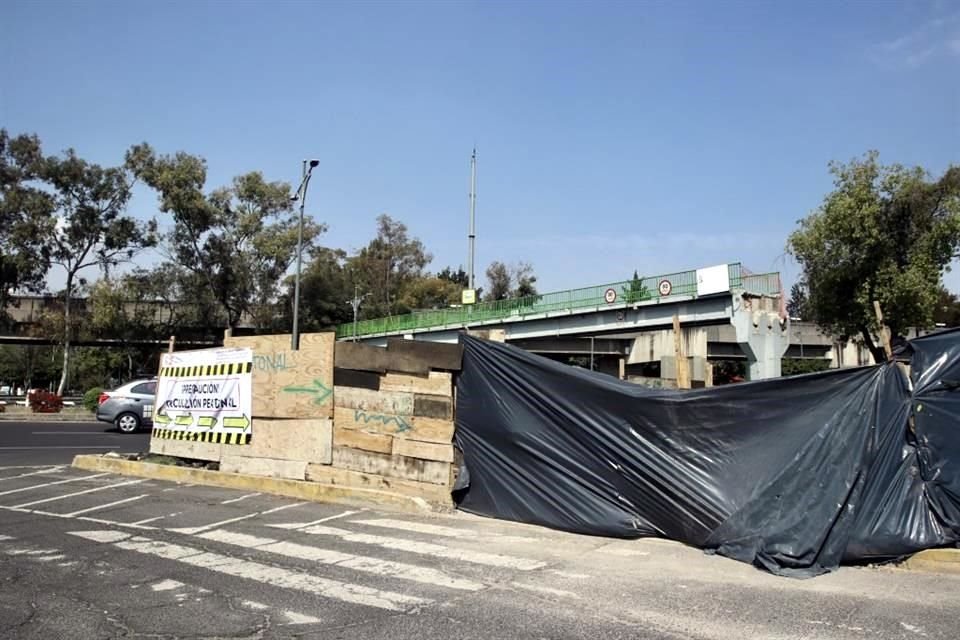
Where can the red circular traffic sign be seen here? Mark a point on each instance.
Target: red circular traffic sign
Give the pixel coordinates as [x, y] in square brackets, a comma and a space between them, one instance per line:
[610, 296]
[665, 287]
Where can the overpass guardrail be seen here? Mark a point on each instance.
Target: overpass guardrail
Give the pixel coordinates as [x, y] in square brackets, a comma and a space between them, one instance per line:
[683, 284]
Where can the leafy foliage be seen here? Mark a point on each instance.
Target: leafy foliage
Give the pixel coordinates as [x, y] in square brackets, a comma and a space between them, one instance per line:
[636, 291]
[798, 366]
[91, 398]
[505, 282]
[797, 305]
[387, 266]
[237, 240]
[884, 233]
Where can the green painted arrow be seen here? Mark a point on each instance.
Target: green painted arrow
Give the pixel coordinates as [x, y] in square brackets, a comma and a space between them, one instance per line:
[319, 389]
[184, 420]
[206, 421]
[241, 423]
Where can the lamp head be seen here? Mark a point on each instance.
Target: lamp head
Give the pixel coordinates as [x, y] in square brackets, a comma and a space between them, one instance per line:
[314, 163]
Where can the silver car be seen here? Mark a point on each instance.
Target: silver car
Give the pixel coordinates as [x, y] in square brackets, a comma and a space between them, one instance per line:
[130, 406]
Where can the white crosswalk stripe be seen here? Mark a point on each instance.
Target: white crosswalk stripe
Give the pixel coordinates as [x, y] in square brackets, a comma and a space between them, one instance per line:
[429, 549]
[255, 571]
[424, 575]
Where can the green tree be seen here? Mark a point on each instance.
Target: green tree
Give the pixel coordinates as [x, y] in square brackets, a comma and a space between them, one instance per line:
[91, 228]
[26, 217]
[797, 306]
[238, 240]
[499, 281]
[430, 293]
[324, 290]
[388, 264]
[524, 280]
[884, 233]
[947, 312]
[635, 291]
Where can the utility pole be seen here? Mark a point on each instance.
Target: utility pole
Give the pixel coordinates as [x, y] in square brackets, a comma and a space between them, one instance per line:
[355, 303]
[302, 195]
[473, 219]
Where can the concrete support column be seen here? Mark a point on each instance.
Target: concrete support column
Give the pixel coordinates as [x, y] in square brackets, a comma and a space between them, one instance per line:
[762, 336]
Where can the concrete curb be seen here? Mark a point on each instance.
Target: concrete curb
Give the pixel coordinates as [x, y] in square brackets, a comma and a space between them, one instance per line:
[297, 489]
[933, 561]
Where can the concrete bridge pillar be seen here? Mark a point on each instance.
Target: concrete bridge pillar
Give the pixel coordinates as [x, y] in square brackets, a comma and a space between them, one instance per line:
[762, 335]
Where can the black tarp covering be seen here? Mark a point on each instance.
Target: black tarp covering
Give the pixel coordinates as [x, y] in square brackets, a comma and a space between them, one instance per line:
[795, 475]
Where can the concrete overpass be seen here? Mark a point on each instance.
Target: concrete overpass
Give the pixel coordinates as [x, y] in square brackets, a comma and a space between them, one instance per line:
[632, 320]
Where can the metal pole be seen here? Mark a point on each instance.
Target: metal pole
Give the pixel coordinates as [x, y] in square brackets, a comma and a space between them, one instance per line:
[295, 334]
[591, 353]
[473, 219]
[356, 306]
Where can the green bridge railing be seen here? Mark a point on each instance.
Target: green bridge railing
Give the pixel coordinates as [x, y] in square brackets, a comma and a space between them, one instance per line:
[627, 292]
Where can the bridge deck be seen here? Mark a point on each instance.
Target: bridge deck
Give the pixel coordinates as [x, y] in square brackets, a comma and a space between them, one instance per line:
[683, 285]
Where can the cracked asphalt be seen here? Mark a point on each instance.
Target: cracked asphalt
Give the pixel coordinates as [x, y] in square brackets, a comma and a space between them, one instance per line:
[95, 556]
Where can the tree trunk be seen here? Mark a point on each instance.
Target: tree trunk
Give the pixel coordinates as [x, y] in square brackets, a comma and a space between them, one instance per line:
[879, 355]
[66, 338]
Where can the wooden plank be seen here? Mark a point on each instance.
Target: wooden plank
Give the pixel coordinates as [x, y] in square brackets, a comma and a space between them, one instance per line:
[291, 384]
[423, 450]
[392, 466]
[394, 403]
[344, 477]
[438, 383]
[360, 357]
[429, 406]
[357, 439]
[303, 439]
[411, 428]
[357, 379]
[413, 356]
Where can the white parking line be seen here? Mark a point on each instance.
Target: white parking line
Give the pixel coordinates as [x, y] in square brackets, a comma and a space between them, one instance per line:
[33, 473]
[425, 575]
[301, 525]
[217, 525]
[105, 506]
[249, 495]
[415, 527]
[78, 493]
[262, 573]
[50, 484]
[429, 549]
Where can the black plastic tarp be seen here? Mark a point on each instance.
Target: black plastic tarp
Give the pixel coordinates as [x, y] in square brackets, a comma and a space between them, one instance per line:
[795, 475]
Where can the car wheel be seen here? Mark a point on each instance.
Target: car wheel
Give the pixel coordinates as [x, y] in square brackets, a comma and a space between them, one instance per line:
[128, 422]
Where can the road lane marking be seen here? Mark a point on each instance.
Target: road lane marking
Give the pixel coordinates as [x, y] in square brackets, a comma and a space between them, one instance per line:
[415, 527]
[301, 525]
[154, 519]
[549, 591]
[401, 570]
[77, 433]
[216, 525]
[50, 484]
[429, 549]
[167, 585]
[255, 571]
[292, 617]
[105, 506]
[78, 493]
[249, 495]
[86, 446]
[33, 473]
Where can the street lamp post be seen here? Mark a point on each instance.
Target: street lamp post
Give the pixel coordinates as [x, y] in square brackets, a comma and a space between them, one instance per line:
[355, 303]
[302, 195]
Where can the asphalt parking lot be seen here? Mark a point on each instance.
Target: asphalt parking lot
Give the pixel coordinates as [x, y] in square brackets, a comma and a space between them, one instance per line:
[91, 555]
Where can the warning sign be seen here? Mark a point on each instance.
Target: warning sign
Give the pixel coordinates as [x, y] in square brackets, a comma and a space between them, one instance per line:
[205, 396]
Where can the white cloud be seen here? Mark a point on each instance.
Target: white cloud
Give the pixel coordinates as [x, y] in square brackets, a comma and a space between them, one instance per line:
[939, 36]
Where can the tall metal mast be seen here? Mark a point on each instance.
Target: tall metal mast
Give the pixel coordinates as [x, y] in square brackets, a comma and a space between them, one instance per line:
[473, 218]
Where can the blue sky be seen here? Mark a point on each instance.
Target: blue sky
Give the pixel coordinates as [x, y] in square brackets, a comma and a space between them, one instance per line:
[610, 136]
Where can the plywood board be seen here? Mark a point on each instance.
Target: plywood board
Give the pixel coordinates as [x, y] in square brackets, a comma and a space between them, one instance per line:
[266, 467]
[423, 450]
[394, 403]
[287, 383]
[409, 428]
[392, 466]
[185, 449]
[303, 439]
[429, 406]
[434, 493]
[438, 383]
[357, 439]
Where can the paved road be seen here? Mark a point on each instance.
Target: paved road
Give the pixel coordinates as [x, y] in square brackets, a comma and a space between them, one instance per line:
[58, 442]
[86, 556]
